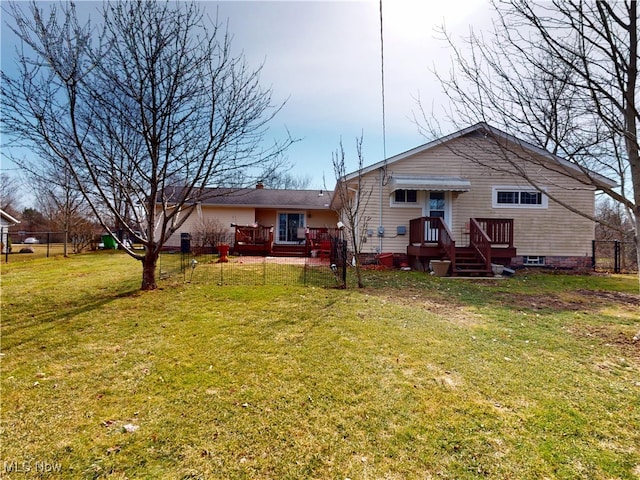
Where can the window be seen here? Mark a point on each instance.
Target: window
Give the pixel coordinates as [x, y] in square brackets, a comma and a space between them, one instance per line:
[515, 197]
[437, 204]
[532, 260]
[406, 196]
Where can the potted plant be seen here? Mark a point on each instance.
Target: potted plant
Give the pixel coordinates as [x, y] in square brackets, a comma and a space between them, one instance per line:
[223, 250]
[440, 268]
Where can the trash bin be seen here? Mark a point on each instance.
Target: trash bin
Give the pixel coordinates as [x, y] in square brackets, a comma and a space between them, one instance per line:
[185, 243]
[109, 242]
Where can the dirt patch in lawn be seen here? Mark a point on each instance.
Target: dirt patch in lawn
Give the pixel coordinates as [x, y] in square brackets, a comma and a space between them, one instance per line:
[575, 301]
[421, 299]
[612, 297]
[610, 335]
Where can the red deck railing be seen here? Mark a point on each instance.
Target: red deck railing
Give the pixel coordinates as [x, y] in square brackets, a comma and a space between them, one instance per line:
[253, 238]
[320, 239]
[480, 242]
[425, 230]
[499, 230]
[484, 234]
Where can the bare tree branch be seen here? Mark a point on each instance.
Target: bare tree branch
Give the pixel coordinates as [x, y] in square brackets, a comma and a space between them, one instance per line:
[148, 111]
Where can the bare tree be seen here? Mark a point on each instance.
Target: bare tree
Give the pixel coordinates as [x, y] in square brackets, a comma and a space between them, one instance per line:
[147, 111]
[286, 181]
[614, 226]
[57, 196]
[211, 233]
[9, 188]
[352, 194]
[562, 75]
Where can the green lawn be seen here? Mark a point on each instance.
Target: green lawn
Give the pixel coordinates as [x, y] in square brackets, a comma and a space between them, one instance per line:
[414, 376]
[40, 250]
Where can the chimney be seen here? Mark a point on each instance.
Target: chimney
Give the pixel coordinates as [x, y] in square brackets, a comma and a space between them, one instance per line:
[259, 186]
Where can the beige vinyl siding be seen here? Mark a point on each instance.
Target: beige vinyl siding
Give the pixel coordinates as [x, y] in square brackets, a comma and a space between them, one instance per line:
[266, 217]
[247, 216]
[225, 215]
[313, 218]
[553, 231]
[322, 218]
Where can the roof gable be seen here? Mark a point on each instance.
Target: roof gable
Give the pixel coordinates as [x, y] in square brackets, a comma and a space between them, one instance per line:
[479, 128]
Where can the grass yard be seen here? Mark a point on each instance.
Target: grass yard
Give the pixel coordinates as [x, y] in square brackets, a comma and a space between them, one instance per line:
[40, 250]
[413, 377]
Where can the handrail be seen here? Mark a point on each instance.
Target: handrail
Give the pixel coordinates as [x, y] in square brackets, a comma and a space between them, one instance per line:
[446, 242]
[480, 241]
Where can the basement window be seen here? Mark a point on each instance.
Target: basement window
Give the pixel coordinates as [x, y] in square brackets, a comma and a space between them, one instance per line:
[532, 260]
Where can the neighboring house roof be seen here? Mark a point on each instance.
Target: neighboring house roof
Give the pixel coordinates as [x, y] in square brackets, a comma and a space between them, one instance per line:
[8, 220]
[267, 198]
[479, 127]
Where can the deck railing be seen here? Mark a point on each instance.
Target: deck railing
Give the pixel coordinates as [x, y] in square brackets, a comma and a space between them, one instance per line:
[254, 236]
[499, 230]
[425, 230]
[416, 231]
[480, 242]
[317, 238]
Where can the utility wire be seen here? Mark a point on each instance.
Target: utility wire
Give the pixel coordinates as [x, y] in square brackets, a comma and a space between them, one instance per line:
[384, 126]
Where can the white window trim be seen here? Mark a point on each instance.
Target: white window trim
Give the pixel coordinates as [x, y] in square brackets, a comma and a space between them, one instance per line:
[508, 188]
[394, 204]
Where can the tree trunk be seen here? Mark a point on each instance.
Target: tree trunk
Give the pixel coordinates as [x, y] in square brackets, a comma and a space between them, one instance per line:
[149, 270]
[636, 241]
[66, 241]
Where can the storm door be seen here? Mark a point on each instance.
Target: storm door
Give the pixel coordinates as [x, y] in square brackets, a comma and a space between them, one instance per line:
[436, 206]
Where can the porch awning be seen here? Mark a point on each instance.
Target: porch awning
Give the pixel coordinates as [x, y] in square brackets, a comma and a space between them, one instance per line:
[429, 182]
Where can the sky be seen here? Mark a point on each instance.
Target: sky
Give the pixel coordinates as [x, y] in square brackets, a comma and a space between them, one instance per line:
[324, 59]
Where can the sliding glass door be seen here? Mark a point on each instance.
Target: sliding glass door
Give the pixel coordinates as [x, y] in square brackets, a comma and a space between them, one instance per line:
[290, 228]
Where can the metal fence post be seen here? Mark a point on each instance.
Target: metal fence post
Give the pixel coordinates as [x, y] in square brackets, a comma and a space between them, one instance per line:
[616, 256]
[593, 255]
[344, 263]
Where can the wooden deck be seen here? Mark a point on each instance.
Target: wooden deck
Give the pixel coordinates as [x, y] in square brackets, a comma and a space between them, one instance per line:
[259, 240]
[490, 241]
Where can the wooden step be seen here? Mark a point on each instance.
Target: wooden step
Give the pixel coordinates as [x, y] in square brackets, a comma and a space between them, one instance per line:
[289, 251]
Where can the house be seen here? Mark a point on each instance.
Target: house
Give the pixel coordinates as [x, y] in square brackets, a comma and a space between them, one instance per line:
[260, 221]
[463, 199]
[474, 198]
[6, 221]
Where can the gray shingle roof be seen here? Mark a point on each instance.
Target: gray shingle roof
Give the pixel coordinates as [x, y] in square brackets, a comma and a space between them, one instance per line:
[268, 198]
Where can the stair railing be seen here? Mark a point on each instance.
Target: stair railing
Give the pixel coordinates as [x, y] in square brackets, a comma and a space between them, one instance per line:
[480, 242]
[446, 241]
